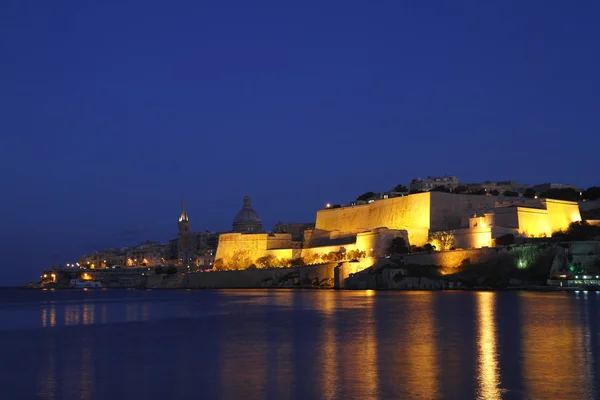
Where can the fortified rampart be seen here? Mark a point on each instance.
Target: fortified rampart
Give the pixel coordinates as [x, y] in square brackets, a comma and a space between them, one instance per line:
[416, 213]
[246, 248]
[474, 221]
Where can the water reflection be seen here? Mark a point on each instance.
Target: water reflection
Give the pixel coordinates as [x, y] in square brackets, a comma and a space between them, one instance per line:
[421, 367]
[49, 316]
[487, 372]
[87, 370]
[359, 353]
[303, 345]
[587, 318]
[243, 358]
[88, 314]
[329, 368]
[47, 374]
[554, 357]
[72, 314]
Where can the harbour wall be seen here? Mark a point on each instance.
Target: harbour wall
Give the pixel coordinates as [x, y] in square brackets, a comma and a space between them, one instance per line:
[318, 276]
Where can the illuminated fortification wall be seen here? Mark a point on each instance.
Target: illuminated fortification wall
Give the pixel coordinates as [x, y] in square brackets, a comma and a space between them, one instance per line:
[417, 213]
[408, 212]
[371, 227]
[252, 246]
[561, 213]
[537, 218]
[452, 211]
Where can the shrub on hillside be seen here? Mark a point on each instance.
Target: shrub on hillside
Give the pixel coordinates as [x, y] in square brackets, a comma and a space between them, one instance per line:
[505, 240]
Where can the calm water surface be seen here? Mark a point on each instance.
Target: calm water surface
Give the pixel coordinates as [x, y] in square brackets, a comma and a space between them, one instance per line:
[298, 345]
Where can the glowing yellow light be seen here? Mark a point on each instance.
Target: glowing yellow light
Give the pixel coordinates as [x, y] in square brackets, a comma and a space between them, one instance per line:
[483, 225]
[328, 205]
[489, 381]
[45, 275]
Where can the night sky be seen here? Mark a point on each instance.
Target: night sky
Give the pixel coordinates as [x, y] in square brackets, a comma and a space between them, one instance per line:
[112, 111]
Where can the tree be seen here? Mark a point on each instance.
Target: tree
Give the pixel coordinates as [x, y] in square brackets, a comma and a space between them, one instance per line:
[579, 230]
[569, 194]
[366, 196]
[218, 264]
[333, 256]
[441, 188]
[311, 259]
[494, 192]
[268, 261]
[428, 247]
[478, 192]
[529, 193]
[510, 193]
[442, 240]
[336, 206]
[159, 270]
[505, 240]
[592, 193]
[461, 189]
[398, 246]
[400, 188]
[355, 254]
[294, 262]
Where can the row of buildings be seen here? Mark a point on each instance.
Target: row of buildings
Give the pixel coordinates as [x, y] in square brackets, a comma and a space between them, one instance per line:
[445, 220]
[189, 248]
[452, 183]
[360, 229]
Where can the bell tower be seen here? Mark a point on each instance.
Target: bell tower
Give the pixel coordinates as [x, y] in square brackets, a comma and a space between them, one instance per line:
[183, 236]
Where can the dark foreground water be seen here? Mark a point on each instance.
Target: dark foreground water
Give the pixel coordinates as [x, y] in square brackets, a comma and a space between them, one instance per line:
[298, 345]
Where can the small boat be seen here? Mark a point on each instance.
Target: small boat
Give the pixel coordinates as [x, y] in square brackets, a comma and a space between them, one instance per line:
[80, 284]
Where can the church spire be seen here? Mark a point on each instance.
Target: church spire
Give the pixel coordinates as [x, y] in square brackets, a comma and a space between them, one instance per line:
[184, 216]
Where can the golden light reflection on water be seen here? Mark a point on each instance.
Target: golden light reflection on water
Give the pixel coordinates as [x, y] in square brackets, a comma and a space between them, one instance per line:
[357, 355]
[488, 377]
[329, 367]
[72, 314]
[87, 370]
[587, 353]
[422, 372]
[88, 314]
[554, 356]
[244, 361]
[48, 317]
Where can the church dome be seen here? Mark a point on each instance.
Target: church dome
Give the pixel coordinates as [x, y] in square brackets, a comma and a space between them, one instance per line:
[247, 220]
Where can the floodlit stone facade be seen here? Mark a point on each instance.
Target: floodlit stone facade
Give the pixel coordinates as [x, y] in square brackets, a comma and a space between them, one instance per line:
[367, 230]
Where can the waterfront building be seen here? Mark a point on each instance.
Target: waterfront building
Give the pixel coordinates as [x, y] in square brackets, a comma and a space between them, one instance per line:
[499, 186]
[147, 254]
[431, 182]
[542, 187]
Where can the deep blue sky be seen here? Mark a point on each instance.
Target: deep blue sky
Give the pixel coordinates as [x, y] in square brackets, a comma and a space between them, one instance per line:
[111, 111]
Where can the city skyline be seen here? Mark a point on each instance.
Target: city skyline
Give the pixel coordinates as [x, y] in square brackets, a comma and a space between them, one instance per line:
[111, 120]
